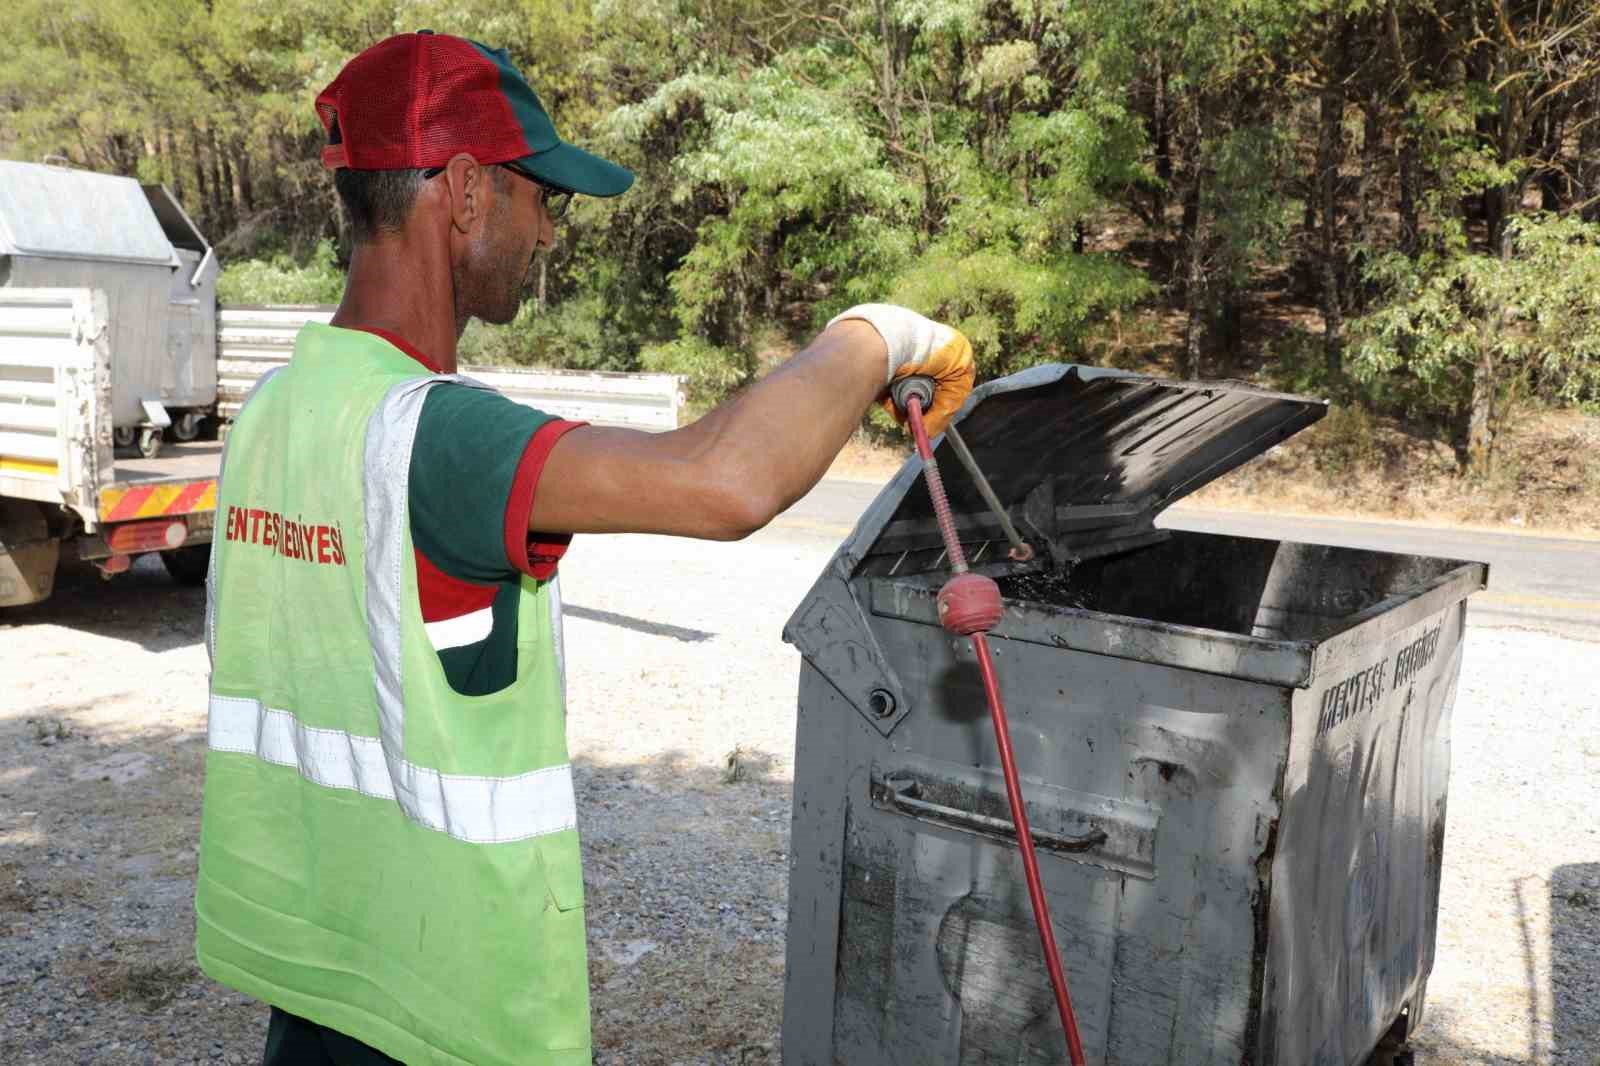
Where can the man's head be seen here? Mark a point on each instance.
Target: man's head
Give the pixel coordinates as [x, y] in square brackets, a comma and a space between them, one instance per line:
[443, 134]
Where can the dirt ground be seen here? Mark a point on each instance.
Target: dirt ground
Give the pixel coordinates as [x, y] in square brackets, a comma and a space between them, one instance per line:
[682, 727]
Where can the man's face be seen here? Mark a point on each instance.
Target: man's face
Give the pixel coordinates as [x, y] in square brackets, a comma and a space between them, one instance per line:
[498, 267]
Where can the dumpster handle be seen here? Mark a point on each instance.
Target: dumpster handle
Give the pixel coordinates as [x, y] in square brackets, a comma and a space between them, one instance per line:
[902, 794]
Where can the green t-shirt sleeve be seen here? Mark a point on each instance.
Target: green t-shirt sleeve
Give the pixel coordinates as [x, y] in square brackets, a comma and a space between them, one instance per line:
[463, 466]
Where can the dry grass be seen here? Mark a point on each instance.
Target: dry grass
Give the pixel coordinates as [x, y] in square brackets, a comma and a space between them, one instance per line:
[151, 983]
[22, 894]
[18, 895]
[1355, 465]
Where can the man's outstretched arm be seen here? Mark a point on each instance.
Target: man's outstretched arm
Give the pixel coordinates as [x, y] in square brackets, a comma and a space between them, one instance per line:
[731, 472]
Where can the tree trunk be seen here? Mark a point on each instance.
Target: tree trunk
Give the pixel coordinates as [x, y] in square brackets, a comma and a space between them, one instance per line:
[202, 181]
[247, 196]
[1554, 189]
[1410, 185]
[219, 191]
[1355, 285]
[888, 85]
[1161, 135]
[1588, 170]
[1194, 287]
[230, 187]
[174, 173]
[1330, 153]
[1501, 202]
[1230, 321]
[1482, 418]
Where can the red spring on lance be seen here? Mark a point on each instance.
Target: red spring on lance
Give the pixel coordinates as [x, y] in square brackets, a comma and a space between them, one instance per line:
[969, 604]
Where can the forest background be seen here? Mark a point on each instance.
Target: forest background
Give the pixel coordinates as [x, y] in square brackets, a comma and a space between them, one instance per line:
[1392, 203]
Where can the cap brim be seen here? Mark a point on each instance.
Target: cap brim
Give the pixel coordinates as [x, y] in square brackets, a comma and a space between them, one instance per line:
[573, 168]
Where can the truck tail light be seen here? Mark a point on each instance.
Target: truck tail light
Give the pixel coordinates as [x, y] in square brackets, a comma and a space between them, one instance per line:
[158, 535]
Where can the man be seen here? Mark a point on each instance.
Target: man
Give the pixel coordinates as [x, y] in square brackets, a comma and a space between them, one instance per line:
[388, 854]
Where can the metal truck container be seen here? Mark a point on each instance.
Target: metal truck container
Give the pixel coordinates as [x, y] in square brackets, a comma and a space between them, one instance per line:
[191, 367]
[1234, 754]
[257, 339]
[60, 482]
[65, 228]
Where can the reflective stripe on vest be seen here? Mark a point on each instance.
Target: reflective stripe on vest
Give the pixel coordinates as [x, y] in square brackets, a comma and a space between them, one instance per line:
[476, 809]
[464, 629]
[480, 810]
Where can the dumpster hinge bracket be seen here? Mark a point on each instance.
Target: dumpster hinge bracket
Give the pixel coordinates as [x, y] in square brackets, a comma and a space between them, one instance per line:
[830, 629]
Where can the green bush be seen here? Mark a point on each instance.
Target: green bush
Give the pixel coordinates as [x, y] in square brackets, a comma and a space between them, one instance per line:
[282, 280]
[711, 372]
[574, 334]
[1346, 441]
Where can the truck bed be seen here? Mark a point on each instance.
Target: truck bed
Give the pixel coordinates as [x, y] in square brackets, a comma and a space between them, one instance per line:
[182, 480]
[177, 462]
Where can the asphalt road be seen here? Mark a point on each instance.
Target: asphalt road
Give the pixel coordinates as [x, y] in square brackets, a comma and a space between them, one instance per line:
[1535, 582]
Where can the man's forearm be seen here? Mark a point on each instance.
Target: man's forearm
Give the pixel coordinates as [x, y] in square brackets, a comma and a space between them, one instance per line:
[778, 437]
[729, 473]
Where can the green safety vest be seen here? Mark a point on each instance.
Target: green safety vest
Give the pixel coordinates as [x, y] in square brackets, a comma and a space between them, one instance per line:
[377, 853]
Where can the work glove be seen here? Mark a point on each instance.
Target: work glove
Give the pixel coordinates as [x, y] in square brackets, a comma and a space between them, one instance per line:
[921, 346]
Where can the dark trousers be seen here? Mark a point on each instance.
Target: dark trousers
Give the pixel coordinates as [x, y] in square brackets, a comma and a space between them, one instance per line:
[293, 1041]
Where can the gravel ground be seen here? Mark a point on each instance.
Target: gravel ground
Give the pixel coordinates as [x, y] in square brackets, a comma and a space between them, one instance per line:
[682, 729]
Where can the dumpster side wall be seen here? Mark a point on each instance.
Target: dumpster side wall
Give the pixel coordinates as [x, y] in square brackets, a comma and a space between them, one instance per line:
[137, 296]
[911, 939]
[191, 367]
[1356, 875]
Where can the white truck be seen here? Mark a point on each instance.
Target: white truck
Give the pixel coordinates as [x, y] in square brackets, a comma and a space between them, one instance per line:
[119, 374]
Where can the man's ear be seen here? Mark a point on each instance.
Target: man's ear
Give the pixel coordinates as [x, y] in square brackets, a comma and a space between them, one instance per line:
[470, 190]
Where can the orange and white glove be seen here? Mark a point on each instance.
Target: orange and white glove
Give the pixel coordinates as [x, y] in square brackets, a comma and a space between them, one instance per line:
[921, 346]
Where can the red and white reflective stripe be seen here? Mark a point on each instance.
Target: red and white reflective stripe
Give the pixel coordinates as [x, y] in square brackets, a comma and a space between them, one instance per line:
[469, 628]
[478, 810]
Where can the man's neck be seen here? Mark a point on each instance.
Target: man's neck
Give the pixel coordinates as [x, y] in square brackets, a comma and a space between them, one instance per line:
[397, 286]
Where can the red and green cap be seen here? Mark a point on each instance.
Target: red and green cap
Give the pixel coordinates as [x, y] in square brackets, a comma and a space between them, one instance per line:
[414, 100]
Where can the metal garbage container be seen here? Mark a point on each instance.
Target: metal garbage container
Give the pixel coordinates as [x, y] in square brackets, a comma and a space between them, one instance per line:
[66, 228]
[1234, 751]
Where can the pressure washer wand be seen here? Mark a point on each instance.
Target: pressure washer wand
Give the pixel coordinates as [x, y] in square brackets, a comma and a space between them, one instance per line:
[969, 605]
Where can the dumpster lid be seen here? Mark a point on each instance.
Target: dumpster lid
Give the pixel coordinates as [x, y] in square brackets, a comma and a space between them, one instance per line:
[1083, 458]
[175, 221]
[64, 213]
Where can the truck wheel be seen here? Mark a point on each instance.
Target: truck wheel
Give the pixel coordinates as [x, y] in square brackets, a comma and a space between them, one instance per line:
[122, 436]
[187, 426]
[188, 565]
[150, 442]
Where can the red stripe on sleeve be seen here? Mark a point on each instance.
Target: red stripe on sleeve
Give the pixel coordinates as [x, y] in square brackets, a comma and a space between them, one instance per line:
[440, 596]
[535, 554]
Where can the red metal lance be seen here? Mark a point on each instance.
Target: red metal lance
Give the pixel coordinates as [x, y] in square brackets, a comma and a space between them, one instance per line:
[969, 605]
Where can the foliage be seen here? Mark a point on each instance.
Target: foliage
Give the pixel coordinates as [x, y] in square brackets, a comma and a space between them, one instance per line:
[1014, 311]
[1053, 177]
[1468, 333]
[282, 280]
[570, 334]
[711, 372]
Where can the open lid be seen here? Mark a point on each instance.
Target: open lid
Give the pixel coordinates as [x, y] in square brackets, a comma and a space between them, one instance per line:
[175, 221]
[1083, 459]
[62, 213]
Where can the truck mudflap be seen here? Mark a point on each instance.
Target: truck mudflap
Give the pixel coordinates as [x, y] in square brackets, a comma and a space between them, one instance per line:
[28, 554]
